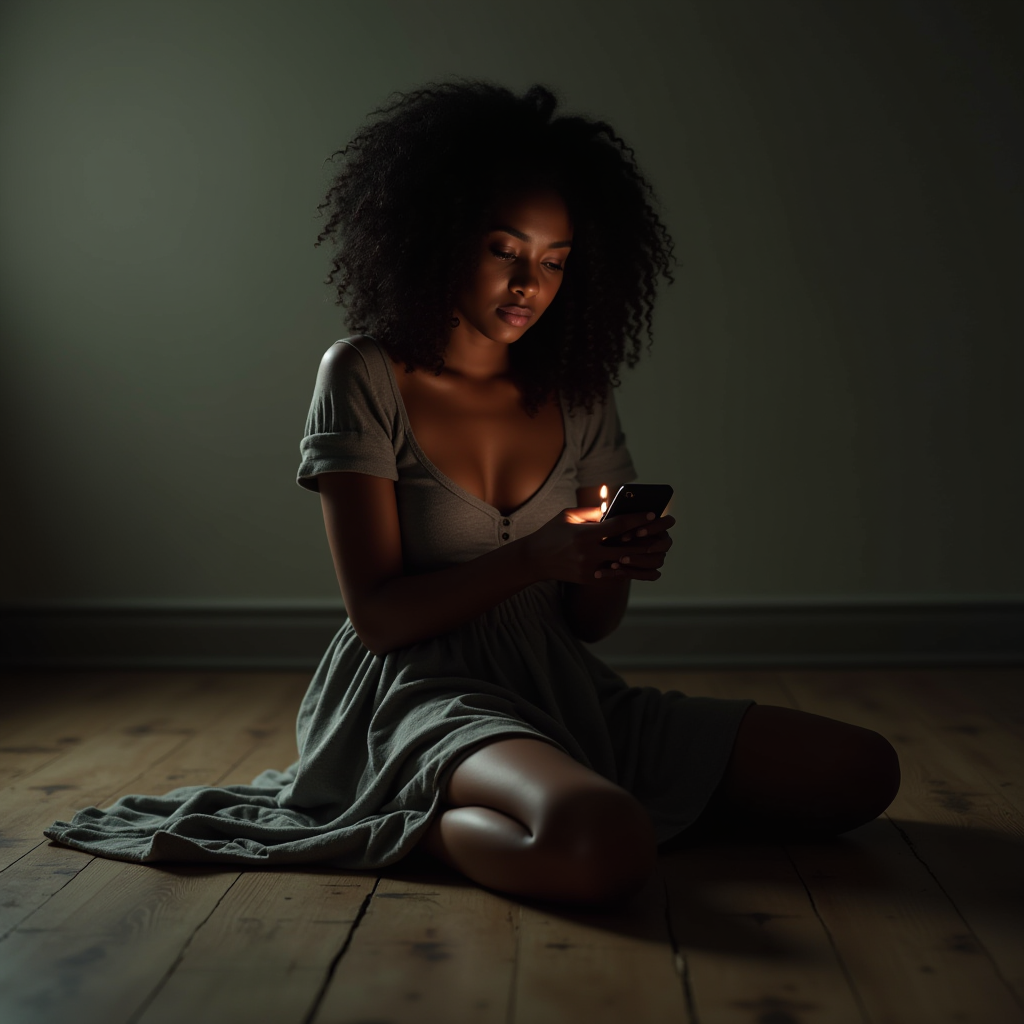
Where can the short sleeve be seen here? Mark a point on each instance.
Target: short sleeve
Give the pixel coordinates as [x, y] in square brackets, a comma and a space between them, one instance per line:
[604, 457]
[351, 422]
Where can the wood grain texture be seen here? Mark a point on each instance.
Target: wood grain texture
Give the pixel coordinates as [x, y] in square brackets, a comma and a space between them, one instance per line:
[264, 951]
[961, 828]
[955, 714]
[899, 937]
[912, 917]
[751, 944]
[260, 726]
[571, 964]
[428, 951]
[113, 749]
[36, 730]
[97, 949]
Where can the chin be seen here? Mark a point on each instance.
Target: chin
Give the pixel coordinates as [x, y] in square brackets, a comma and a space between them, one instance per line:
[508, 336]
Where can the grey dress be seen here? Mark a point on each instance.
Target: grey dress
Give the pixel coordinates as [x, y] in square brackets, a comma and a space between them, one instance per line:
[378, 736]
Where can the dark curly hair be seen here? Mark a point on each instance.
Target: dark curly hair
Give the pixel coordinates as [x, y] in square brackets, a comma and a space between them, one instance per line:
[408, 206]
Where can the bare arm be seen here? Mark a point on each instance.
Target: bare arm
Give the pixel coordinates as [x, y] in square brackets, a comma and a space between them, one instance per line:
[595, 611]
[389, 609]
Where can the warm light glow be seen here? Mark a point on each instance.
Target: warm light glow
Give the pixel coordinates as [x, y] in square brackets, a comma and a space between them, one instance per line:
[604, 498]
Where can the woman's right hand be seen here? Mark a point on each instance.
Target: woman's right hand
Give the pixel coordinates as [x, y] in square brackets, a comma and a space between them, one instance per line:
[570, 547]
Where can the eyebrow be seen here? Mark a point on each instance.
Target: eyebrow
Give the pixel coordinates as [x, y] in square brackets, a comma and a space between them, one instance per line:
[526, 238]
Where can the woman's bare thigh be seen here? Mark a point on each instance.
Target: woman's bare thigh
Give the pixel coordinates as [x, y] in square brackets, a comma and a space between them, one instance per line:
[791, 772]
[529, 780]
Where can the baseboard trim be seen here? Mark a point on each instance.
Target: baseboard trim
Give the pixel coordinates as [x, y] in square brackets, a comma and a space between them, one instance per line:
[294, 637]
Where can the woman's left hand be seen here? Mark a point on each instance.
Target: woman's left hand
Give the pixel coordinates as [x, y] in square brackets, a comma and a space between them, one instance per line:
[648, 545]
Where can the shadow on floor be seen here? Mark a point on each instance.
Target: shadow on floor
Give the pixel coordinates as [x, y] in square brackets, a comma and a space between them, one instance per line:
[754, 899]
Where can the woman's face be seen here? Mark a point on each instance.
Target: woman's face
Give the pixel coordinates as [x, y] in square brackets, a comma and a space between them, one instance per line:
[521, 261]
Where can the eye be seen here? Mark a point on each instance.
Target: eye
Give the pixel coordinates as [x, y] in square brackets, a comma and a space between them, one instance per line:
[504, 255]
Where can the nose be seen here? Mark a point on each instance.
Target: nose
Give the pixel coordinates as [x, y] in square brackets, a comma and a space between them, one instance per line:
[524, 282]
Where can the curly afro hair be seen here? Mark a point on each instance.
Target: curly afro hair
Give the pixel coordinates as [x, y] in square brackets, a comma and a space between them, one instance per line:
[408, 206]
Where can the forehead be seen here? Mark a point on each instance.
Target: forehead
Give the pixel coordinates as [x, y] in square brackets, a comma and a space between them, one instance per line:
[541, 214]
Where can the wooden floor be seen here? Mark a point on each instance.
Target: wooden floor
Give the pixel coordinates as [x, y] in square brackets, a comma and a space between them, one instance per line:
[917, 917]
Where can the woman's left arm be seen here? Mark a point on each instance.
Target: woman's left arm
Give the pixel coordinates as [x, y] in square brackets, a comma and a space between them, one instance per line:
[595, 610]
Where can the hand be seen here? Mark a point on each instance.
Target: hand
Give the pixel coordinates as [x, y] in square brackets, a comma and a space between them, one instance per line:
[646, 546]
[576, 548]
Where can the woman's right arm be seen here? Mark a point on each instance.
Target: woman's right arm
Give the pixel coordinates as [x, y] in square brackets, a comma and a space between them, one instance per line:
[389, 609]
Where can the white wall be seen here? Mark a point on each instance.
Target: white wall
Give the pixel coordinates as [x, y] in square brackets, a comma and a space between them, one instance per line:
[835, 386]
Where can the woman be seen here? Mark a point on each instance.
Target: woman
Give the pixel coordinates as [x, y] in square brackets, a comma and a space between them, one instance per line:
[498, 264]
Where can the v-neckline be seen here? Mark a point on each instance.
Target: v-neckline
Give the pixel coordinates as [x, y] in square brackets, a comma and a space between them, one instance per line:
[446, 480]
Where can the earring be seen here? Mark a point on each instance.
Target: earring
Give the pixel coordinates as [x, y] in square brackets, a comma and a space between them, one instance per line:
[455, 321]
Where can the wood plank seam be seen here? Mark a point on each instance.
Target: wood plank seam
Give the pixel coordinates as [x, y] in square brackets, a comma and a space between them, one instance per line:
[515, 918]
[121, 788]
[14, 927]
[329, 974]
[158, 987]
[945, 752]
[981, 945]
[852, 886]
[861, 1007]
[127, 788]
[679, 960]
[119, 791]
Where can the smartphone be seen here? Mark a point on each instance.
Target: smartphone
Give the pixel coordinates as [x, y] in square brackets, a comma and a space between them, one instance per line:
[639, 498]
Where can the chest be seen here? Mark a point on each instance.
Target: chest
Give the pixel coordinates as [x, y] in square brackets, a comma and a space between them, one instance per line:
[482, 439]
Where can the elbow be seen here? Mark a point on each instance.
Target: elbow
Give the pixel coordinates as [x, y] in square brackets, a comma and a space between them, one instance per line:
[373, 645]
[373, 633]
[364, 629]
[376, 645]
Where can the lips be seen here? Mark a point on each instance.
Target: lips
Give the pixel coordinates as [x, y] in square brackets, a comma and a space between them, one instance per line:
[517, 316]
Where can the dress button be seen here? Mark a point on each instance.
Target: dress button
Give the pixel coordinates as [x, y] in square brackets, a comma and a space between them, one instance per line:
[504, 536]
[506, 522]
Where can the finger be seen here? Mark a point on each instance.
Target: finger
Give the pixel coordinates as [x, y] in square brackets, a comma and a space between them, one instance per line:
[642, 561]
[662, 544]
[582, 514]
[621, 524]
[619, 544]
[658, 526]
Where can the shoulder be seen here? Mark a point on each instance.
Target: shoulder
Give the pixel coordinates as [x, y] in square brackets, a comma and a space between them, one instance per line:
[348, 356]
[354, 376]
[358, 363]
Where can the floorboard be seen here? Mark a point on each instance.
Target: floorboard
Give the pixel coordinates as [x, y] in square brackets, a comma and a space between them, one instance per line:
[963, 830]
[264, 951]
[571, 966]
[913, 917]
[431, 950]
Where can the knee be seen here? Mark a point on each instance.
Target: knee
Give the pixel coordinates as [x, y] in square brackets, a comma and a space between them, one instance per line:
[604, 840]
[881, 772]
[869, 778]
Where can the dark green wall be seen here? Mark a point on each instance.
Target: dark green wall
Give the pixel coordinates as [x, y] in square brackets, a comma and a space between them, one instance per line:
[835, 389]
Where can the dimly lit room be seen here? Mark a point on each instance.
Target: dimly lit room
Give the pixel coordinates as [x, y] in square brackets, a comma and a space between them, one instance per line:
[512, 514]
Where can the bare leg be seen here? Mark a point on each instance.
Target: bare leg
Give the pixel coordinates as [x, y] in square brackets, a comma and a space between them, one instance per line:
[526, 819]
[797, 775]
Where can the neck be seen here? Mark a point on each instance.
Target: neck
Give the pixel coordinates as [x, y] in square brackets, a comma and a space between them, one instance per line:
[471, 354]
